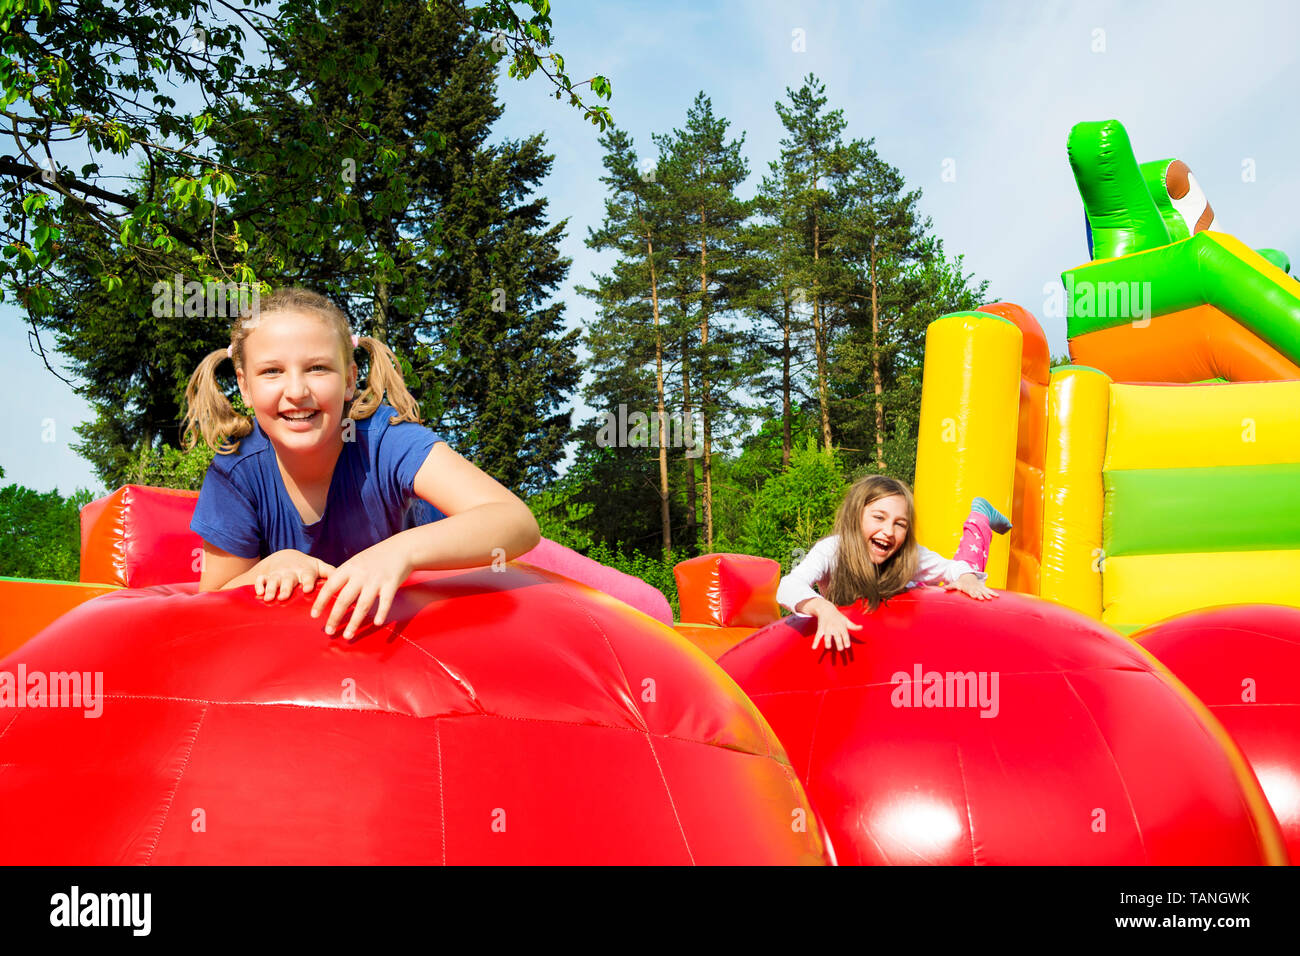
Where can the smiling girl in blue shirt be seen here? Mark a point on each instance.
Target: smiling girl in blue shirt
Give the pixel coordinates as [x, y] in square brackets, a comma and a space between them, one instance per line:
[328, 483]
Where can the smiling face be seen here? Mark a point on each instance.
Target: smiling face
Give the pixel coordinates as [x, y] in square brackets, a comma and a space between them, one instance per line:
[294, 378]
[884, 526]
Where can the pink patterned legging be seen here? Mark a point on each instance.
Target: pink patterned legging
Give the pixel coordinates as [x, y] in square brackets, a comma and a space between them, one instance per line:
[975, 538]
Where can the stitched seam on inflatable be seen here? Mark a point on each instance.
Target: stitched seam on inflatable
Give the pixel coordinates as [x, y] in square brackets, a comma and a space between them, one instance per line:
[442, 801]
[8, 725]
[395, 713]
[965, 795]
[460, 682]
[176, 787]
[671, 802]
[627, 686]
[1137, 824]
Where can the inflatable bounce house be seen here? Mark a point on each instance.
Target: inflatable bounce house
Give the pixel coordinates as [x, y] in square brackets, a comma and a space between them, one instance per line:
[1131, 697]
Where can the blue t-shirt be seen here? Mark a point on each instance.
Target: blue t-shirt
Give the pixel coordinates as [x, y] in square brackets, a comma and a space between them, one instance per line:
[244, 508]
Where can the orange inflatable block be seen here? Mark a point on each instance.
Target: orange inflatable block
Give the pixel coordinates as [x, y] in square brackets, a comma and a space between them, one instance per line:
[1159, 351]
[139, 536]
[728, 590]
[1031, 448]
[714, 641]
[30, 606]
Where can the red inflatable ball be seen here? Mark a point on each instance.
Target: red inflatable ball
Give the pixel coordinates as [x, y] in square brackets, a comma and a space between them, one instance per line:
[1243, 662]
[510, 717]
[1012, 731]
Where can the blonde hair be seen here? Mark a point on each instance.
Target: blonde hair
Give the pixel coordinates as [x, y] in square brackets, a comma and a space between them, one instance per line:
[855, 577]
[209, 414]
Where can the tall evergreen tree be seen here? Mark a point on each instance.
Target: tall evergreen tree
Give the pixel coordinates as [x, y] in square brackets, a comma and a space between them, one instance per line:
[813, 153]
[700, 172]
[630, 338]
[776, 301]
[879, 237]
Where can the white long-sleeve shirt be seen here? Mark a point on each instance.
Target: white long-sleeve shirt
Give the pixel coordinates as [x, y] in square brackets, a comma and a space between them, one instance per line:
[815, 569]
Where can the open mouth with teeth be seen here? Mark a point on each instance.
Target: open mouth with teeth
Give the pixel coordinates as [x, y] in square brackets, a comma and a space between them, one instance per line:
[881, 547]
[303, 416]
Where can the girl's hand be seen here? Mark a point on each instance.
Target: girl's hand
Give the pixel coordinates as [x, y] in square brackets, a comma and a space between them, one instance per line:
[279, 573]
[832, 625]
[972, 585]
[375, 573]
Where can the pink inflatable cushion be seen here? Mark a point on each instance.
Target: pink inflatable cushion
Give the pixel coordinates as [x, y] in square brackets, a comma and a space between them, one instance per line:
[628, 589]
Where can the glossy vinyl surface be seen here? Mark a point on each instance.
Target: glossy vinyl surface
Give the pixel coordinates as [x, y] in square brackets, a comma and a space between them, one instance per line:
[508, 717]
[1091, 753]
[1243, 662]
[728, 590]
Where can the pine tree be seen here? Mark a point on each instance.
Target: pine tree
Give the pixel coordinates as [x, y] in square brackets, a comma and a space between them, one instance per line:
[775, 301]
[813, 154]
[700, 172]
[629, 336]
[879, 236]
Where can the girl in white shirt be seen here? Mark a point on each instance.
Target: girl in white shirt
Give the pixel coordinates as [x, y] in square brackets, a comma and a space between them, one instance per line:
[873, 555]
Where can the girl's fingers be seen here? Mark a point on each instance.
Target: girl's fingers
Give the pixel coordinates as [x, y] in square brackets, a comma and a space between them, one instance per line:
[359, 612]
[341, 605]
[385, 602]
[331, 585]
[258, 584]
[287, 581]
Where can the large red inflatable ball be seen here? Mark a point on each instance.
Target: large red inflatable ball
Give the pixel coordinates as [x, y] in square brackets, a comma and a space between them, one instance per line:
[498, 717]
[1008, 731]
[1243, 662]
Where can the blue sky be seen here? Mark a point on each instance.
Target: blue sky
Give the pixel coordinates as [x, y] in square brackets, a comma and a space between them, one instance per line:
[993, 87]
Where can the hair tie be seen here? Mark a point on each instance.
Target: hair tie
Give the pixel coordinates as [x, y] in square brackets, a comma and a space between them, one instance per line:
[355, 342]
[230, 354]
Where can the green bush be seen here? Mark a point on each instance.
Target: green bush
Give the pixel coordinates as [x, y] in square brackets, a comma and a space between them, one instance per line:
[169, 467]
[560, 518]
[796, 507]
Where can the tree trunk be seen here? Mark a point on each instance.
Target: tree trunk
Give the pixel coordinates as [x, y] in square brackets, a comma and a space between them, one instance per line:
[875, 365]
[692, 522]
[786, 438]
[146, 446]
[705, 409]
[379, 319]
[819, 341]
[665, 520]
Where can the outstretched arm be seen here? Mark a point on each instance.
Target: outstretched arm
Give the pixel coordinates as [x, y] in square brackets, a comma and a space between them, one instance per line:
[796, 588]
[485, 520]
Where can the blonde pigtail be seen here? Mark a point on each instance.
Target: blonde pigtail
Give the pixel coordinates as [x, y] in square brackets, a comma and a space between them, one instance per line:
[384, 380]
[208, 413]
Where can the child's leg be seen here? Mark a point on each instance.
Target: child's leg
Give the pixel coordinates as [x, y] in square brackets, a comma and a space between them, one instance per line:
[975, 538]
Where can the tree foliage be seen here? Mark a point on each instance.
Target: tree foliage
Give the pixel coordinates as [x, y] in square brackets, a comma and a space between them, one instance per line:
[40, 533]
